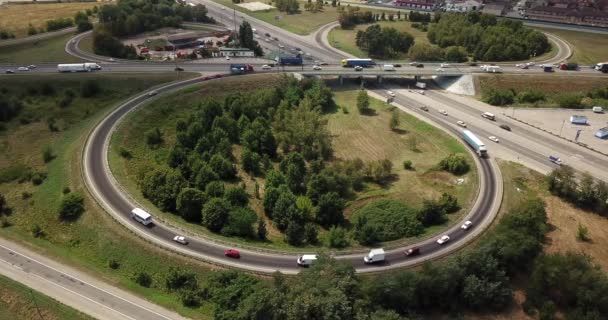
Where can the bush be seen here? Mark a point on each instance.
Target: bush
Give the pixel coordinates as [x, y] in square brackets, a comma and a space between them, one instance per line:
[143, 279]
[38, 177]
[336, 238]
[4, 222]
[90, 88]
[497, 97]
[455, 163]
[66, 190]
[215, 214]
[262, 233]
[582, 233]
[407, 165]
[47, 154]
[570, 100]
[154, 137]
[71, 207]
[37, 231]
[59, 23]
[26, 195]
[240, 223]
[190, 298]
[530, 96]
[385, 220]
[181, 279]
[113, 264]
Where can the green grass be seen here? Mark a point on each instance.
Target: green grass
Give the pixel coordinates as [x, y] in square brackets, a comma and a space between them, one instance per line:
[18, 302]
[86, 44]
[43, 51]
[588, 48]
[95, 238]
[353, 135]
[344, 39]
[302, 23]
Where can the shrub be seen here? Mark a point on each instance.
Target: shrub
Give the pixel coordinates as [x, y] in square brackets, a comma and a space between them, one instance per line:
[26, 195]
[498, 97]
[47, 154]
[407, 165]
[311, 233]
[240, 223]
[89, 88]
[37, 231]
[113, 264]
[385, 220]
[66, 190]
[38, 177]
[190, 298]
[4, 222]
[125, 153]
[181, 279]
[71, 207]
[455, 163]
[530, 96]
[336, 238]
[262, 233]
[569, 100]
[582, 233]
[143, 279]
[154, 137]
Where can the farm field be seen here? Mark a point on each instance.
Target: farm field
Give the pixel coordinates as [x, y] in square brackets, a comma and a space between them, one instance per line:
[50, 50]
[34, 189]
[17, 17]
[589, 48]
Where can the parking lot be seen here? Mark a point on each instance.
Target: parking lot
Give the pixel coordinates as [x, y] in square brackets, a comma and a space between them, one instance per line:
[557, 121]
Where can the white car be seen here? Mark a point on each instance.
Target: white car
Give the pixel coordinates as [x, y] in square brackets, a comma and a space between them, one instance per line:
[445, 65]
[461, 123]
[111, 60]
[267, 40]
[443, 239]
[23, 69]
[413, 63]
[315, 67]
[493, 138]
[227, 57]
[440, 69]
[180, 239]
[281, 46]
[256, 36]
[466, 225]
[358, 68]
[152, 93]
[266, 67]
[531, 63]
[443, 112]
[390, 93]
[420, 92]
[32, 66]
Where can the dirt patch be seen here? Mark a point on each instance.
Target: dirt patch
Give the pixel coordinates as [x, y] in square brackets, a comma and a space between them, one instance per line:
[255, 6]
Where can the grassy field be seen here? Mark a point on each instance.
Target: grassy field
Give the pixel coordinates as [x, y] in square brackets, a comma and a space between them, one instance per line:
[18, 302]
[94, 239]
[17, 17]
[345, 39]
[588, 48]
[353, 135]
[302, 23]
[43, 51]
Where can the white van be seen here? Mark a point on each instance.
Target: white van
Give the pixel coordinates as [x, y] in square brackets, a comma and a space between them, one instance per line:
[488, 115]
[141, 216]
[598, 109]
[375, 255]
[307, 260]
[388, 67]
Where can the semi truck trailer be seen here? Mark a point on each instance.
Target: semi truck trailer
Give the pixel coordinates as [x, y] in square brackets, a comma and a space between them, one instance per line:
[78, 67]
[294, 61]
[475, 143]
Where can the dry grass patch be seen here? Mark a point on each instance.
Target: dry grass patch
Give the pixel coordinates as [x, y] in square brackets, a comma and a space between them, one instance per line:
[17, 17]
[545, 83]
[588, 48]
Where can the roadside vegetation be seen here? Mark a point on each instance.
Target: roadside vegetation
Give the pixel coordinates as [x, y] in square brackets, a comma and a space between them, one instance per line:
[22, 20]
[546, 91]
[437, 37]
[50, 50]
[19, 302]
[43, 200]
[588, 48]
[240, 168]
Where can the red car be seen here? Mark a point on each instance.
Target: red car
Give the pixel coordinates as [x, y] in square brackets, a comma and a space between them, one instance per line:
[412, 252]
[231, 253]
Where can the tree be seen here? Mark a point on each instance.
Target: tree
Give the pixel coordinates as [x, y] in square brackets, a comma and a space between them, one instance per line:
[311, 233]
[394, 122]
[455, 163]
[329, 210]
[222, 167]
[162, 187]
[262, 233]
[71, 207]
[582, 233]
[143, 279]
[455, 54]
[236, 196]
[215, 214]
[240, 222]
[294, 233]
[407, 165]
[336, 238]
[3, 204]
[180, 279]
[425, 52]
[431, 213]
[190, 202]
[362, 101]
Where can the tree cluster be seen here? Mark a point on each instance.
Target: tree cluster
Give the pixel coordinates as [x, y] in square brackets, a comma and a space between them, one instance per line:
[487, 38]
[287, 6]
[71, 207]
[10, 106]
[59, 23]
[350, 16]
[82, 22]
[588, 193]
[416, 16]
[455, 163]
[383, 42]
[246, 39]
[5, 34]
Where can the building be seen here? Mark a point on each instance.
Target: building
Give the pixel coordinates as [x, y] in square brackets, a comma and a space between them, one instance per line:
[586, 12]
[417, 4]
[233, 52]
[497, 8]
[602, 133]
[463, 6]
[578, 119]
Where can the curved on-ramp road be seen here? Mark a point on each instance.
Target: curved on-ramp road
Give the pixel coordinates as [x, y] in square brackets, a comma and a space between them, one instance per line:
[115, 201]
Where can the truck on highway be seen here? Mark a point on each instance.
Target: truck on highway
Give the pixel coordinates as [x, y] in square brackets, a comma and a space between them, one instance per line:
[475, 143]
[493, 69]
[374, 256]
[388, 67]
[141, 216]
[568, 66]
[421, 85]
[294, 61]
[240, 68]
[78, 67]
[350, 63]
[489, 116]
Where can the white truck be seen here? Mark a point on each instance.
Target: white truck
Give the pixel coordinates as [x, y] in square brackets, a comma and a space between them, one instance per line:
[306, 260]
[388, 67]
[78, 67]
[141, 216]
[374, 256]
[475, 143]
[489, 116]
[421, 85]
[493, 69]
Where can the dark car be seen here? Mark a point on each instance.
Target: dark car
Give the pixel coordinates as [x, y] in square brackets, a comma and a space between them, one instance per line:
[179, 69]
[9, 71]
[473, 64]
[412, 252]
[267, 35]
[397, 65]
[323, 64]
[232, 253]
[425, 108]
[506, 127]
[420, 65]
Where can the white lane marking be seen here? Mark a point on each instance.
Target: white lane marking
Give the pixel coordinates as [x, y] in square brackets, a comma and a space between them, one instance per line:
[90, 285]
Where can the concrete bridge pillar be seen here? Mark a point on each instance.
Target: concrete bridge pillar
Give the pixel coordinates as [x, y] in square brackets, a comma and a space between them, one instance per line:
[379, 79]
[341, 79]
